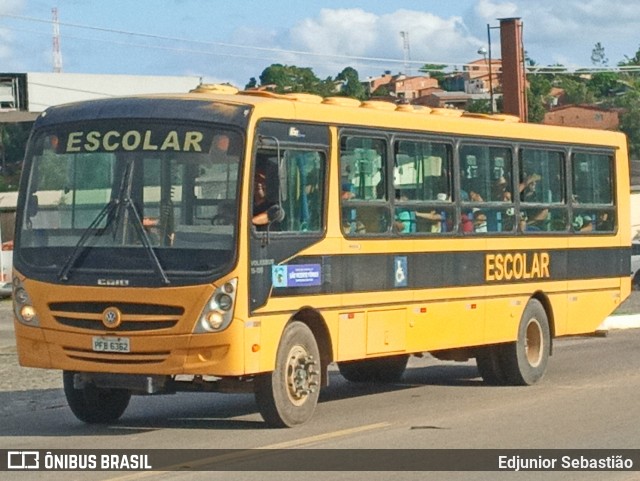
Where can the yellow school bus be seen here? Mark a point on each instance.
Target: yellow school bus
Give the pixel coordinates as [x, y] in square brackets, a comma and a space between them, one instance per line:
[225, 241]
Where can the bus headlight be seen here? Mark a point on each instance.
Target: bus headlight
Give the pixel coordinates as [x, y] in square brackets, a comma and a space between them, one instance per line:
[224, 301]
[22, 306]
[218, 312]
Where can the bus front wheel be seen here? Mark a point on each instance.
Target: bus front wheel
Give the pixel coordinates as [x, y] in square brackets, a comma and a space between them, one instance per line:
[525, 361]
[94, 405]
[288, 396]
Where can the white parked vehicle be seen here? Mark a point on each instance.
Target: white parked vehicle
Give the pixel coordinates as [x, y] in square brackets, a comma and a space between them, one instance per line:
[635, 264]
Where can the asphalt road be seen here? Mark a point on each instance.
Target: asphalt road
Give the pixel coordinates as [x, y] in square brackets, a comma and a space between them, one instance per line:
[588, 399]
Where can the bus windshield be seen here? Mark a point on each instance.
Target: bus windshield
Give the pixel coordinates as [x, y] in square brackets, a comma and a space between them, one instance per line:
[131, 197]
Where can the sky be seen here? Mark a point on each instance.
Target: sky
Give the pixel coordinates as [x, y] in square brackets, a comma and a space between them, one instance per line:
[235, 40]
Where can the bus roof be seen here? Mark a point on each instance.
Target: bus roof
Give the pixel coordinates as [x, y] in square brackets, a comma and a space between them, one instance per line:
[228, 105]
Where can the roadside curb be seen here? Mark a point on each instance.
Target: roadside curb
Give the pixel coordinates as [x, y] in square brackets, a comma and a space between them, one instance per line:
[624, 321]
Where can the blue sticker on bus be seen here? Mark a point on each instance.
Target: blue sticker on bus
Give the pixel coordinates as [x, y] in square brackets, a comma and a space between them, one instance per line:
[299, 275]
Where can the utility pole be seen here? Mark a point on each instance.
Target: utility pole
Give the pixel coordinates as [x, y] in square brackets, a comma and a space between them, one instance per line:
[57, 55]
[406, 52]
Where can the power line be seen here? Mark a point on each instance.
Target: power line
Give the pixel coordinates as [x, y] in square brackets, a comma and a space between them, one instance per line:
[557, 70]
[218, 44]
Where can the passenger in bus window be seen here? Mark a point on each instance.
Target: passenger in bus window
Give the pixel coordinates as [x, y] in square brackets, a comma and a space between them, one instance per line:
[528, 188]
[582, 223]
[500, 191]
[405, 219]
[537, 220]
[604, 222]
[435, 219]
[264, 210]
[466, 222]
[479, 221]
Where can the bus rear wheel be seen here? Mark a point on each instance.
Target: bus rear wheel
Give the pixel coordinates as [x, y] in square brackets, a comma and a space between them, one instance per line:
[94, 405]
[490, 365]
[525, 361]
[384, 369]
[288, 396]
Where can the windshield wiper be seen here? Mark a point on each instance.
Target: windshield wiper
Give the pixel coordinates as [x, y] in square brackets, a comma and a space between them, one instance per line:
[126, 204]
[139, 226]
[117, 205]
[108, 209]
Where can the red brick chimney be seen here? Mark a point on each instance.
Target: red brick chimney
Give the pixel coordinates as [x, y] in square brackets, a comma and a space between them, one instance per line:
[513, 75]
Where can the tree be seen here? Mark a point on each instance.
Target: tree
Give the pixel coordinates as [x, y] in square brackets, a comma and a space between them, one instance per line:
[538, 97]
[629, 102]
[435, 71]
[481, 106]
[253, 83]
[598, 57]
[13, 139]
[352, 86]
[576, 90]
[603, 84]
[292, 79]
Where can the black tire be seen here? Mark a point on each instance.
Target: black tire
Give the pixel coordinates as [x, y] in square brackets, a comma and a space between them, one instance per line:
[288, 396]
[635, 283]
[490, 365]
[94, 405]
[384, 369]
[525, 361]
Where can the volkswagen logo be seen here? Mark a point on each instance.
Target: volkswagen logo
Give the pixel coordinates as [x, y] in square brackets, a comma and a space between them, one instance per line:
[111, 317]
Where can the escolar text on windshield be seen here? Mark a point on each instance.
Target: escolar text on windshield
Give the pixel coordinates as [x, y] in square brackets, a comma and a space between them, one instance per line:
[132, 140]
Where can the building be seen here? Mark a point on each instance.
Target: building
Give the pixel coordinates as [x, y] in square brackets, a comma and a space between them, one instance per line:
[24, 95]
[411, 88]
[587, 116]
[479, 80]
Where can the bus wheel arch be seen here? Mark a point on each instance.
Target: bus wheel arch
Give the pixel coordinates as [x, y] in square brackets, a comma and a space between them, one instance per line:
[288, 395]
[547, 306]
[524, 361]
[318, 326]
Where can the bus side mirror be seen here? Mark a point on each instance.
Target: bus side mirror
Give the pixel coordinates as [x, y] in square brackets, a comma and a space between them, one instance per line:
[275, 213]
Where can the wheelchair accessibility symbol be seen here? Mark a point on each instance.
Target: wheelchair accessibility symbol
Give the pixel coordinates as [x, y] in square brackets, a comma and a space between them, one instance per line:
[400, 270]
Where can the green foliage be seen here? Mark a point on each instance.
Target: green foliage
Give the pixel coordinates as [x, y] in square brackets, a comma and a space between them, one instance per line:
[576, 90]
[629, 102]
[292, 79]
[352, 86]
[435, 71]
[538, 97]
[382, 91]
[603, 84]
[598, 57]
[479, 106]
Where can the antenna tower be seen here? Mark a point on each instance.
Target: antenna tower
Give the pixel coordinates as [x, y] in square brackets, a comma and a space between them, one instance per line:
[57, 55]
[406, 51]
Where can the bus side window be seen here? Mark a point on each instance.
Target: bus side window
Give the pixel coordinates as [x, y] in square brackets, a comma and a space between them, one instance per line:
[486, 189]
[363, 196]
[542, 191]
[592, 198]
[301, 178]
[422, 187]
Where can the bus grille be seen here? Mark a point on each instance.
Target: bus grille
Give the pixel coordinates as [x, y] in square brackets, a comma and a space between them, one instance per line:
[135, 317]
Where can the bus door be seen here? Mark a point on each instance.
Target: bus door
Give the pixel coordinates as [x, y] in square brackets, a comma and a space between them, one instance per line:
[288, 204]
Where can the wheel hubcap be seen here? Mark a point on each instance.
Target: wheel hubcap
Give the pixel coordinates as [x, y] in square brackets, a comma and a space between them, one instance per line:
[301, 375]
[534, 343]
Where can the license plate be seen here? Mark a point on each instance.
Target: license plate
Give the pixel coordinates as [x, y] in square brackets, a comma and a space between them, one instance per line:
[111, 344]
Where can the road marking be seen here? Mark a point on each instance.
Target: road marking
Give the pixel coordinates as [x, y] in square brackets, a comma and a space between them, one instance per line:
[251, 453]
